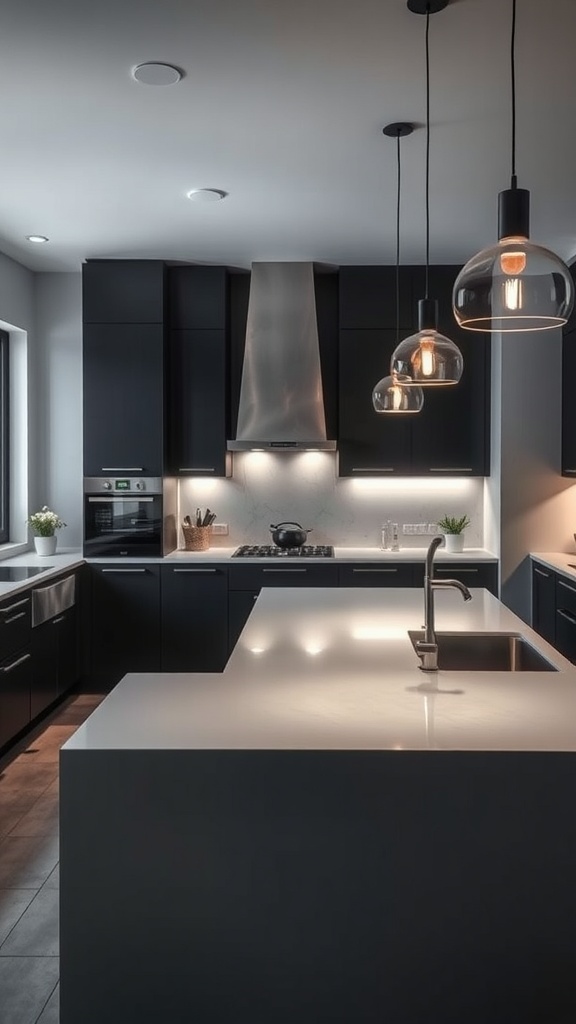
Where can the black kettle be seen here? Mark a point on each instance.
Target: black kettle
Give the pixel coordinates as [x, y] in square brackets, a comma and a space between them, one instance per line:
[285, 537]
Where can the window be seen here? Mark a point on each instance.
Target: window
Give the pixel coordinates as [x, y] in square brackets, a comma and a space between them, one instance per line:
[4, 439]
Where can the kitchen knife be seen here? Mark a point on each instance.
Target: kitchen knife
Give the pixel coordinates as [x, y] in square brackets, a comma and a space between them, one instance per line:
[206, 519]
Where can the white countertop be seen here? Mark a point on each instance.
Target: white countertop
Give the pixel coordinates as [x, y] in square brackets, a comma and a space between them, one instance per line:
[341, 554]
[558, 561]
[51, 566]
[334, 669]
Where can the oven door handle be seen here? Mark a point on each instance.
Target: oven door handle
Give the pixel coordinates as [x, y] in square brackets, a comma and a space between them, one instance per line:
[124, 498]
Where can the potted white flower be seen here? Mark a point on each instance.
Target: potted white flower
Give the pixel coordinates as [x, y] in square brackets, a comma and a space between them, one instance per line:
[453, 528]
[44, 525]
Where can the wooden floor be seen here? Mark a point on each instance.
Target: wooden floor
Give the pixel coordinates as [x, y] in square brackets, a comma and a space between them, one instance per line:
[29, 962]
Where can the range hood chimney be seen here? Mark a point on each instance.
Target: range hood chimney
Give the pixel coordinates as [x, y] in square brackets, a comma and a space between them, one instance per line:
[281, 401]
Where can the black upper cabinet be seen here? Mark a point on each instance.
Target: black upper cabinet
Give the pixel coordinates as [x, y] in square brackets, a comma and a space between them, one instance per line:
[198, 371]
[123, 292]
[568, 403]
[123, 372]
[451, 434]
[368, 298]
[369, 444]
[198, 298]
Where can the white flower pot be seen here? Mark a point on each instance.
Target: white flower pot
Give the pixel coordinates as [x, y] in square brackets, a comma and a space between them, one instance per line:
[454, 541]
[45, 545]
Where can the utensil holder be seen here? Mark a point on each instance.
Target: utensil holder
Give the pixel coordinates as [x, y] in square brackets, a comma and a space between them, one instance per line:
[196, 538]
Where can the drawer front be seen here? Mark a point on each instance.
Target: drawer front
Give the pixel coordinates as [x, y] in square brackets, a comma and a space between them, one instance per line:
[565, 596]
[470, 573]
[376, 575]
[15, 624]
[253, 577]
[15, 681]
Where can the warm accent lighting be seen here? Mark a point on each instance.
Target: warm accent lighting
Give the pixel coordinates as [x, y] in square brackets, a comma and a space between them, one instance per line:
[389, 396]
[514, 285]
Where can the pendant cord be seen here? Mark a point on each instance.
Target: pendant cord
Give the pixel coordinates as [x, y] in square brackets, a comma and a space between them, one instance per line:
[513, 93]
[428, 147]
[398, 239]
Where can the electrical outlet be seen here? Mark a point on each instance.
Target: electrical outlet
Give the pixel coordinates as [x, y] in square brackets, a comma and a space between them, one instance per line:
[406, 528]
[220, 529]
[433, 529]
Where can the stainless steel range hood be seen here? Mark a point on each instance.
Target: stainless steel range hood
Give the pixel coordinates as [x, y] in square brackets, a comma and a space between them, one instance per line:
[281, 401]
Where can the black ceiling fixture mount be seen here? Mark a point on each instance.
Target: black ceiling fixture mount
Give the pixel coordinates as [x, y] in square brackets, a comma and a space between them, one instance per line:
[427, 6]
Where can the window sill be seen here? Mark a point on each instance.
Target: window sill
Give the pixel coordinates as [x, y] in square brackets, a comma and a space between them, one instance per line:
[8, 550]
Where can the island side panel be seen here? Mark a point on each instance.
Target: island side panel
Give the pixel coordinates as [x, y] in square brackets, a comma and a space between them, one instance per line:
[245, 887]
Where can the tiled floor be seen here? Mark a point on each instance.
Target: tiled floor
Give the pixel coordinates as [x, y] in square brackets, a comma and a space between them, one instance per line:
[29, 868]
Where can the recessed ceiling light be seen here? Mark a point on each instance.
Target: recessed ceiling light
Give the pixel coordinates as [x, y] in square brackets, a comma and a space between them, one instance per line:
[37, 238]
[152, 73]
[206, 195]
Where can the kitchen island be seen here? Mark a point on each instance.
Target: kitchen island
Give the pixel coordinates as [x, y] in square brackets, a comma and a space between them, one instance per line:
[324, 832]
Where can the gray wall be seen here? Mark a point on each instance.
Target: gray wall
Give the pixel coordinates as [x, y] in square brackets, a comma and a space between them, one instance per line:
[59, 398]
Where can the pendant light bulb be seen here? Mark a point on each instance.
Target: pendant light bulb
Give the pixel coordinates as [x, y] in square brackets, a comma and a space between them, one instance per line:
[390, 396]
[514, 285]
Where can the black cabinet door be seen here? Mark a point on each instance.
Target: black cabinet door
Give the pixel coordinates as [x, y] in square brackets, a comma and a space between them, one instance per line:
[565, 633]
[367, 574]
[194, 618]
[125, 621]
[473, 574]
[370, 444]
[451, 433]
[240, 605]
[198, 403]
[44, 687]
[15, 681]
[123, 399]
[569, 403]
[368, 298]
[68, 650]
[123, 292]
[15, 624]
[544, 602]
[198, 298]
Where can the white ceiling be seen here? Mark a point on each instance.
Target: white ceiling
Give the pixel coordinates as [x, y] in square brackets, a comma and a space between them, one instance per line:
[282, 105]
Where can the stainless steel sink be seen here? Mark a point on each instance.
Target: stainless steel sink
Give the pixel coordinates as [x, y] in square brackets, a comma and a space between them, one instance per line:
[486, 652]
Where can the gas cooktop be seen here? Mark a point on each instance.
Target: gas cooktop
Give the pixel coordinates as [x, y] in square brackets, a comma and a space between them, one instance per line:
[271, 551]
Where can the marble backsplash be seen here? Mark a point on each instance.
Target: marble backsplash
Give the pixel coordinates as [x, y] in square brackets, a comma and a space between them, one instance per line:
[269, 488]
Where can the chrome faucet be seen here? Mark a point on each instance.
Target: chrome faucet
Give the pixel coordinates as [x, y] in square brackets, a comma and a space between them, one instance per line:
[427, 649]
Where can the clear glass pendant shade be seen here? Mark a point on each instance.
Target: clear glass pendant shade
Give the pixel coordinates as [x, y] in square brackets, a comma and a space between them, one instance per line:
[427, 358]
[391, 397]
[513, 286]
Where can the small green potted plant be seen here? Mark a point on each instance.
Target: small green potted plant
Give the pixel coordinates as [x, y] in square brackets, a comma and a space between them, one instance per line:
[453, 528]
[44, 525]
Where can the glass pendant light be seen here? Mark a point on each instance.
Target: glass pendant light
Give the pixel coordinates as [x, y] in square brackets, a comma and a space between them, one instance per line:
[427, 358]
[514, 285]
[389, 395]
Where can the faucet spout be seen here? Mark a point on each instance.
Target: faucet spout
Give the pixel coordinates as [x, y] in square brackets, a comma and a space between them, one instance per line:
[427, 649]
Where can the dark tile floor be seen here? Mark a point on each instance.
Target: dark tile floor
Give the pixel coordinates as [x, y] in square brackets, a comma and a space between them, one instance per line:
[29, 867]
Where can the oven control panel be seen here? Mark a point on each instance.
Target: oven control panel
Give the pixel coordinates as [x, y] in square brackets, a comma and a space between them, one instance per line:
[122, 485]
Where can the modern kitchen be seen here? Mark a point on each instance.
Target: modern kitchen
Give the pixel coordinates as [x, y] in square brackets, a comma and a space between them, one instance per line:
[287, 533]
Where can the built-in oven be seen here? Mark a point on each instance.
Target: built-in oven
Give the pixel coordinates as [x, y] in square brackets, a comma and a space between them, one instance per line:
[122, 517]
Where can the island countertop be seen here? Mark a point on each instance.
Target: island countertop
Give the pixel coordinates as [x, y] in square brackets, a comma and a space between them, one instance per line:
[334, 669]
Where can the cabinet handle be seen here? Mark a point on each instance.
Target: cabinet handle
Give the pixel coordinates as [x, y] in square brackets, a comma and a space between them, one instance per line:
[17, 604]
[255, 597]
[124, 571]
[20, 615]
[59, 619]
[455, 569]
[195, 570]
[374, 570]
[566, 587]
[19, 661]
[122, 469]
[373, 469]
[542, 573]
[196, 469]
[569, 470]
[284, 570]
[450, 469]
[566, 615]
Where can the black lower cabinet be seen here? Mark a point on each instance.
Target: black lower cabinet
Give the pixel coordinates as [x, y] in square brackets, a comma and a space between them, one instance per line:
[473, 574]
[125, 621]
[55, 660]
[15, 682]
[565, 639]
[194, 618]
[240, 604]
[544, 602]
[374, 575]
